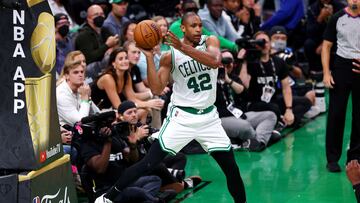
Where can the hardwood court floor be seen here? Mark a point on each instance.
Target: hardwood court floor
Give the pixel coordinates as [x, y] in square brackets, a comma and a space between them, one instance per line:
[291, 171]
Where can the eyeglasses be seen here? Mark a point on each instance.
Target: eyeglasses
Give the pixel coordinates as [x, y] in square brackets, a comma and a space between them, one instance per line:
[195, 10]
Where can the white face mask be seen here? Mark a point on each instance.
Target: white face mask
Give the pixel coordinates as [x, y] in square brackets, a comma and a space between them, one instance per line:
[279, 45]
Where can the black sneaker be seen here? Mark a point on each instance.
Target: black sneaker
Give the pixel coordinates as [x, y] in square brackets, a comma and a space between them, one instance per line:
[256, 146]
[275, 137]
[333, 167]
[166, 196]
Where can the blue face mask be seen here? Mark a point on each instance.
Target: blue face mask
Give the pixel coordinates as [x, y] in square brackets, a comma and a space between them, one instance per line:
[279, 45]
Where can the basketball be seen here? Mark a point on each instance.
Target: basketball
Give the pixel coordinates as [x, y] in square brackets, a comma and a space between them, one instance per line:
[147, 34]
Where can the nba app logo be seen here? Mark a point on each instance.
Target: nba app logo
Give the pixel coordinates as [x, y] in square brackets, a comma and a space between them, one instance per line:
[36, 199]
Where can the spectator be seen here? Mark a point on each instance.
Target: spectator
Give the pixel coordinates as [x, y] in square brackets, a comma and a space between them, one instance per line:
[269, 87]
[191, 6]
[353, 174]
[115, 85]
[318, 16]
[252, 24]
[239, 124]
[213, 20]
[128, 32]
[290, 16]
[64, 43]
[164, 27]
[57, 7]
[230, 8]
[72, 94]
[278, 36]
[89, 40]
[342, 81]
[116, 19]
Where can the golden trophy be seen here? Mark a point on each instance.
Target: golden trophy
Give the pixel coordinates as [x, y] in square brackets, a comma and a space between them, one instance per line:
[38, 90]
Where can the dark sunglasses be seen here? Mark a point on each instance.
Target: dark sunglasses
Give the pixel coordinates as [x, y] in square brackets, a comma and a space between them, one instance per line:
[195, 10]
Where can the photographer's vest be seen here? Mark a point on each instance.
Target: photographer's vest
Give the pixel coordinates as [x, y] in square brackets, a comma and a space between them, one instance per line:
[194, 83]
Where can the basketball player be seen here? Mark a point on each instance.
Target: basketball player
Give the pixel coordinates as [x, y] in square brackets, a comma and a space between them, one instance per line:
[192, 63]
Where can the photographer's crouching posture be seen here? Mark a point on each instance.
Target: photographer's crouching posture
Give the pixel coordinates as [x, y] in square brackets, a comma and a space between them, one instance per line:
[105, 154]
[172, 169]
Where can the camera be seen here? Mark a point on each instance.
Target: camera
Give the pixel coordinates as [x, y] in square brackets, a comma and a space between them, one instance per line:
[253, 48]
[287, 55]
[89, 127]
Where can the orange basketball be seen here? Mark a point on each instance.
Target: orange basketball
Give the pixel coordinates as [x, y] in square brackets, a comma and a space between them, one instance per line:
[147, 34]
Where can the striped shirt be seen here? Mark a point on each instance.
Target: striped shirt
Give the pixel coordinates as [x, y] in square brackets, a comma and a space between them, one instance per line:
[344, 29]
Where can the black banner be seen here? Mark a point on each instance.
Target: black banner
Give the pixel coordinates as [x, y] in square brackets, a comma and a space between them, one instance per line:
[29, 127]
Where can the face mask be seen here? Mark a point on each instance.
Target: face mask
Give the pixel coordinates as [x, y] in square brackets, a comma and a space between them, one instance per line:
[354, 7]
[279, 45]
[99, 21]
[63, 30]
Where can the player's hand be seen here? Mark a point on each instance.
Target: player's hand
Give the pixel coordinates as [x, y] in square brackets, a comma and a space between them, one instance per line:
[289, 117]
[155, 103]
[172, 40]
[328, 80]
[353, 172]
[356, 63]
[149, 53]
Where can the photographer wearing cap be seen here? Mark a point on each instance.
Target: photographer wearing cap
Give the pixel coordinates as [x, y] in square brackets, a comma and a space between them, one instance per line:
[240, 125]
[171, 169]
[300, 87]
[269, 88]
[104, 155]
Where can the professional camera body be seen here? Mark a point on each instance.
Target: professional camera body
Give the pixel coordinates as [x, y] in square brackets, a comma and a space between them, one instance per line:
[253, 48]
[89, 127]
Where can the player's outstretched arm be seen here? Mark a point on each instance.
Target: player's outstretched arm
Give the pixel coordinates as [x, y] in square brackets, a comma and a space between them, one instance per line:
[211, 57]
[157, 79]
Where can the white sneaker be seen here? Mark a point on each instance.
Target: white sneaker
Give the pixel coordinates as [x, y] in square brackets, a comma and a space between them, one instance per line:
[236, 146]
[313, 112]
[102, 199]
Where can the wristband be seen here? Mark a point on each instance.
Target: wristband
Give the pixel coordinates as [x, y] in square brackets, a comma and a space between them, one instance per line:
[289, 107]
[231, 82]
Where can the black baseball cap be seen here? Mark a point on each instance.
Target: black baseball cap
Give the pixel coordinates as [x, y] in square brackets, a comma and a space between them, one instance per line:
[60, 16]
[278, 30]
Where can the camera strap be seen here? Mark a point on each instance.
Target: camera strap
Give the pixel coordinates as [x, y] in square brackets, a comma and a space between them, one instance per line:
[268, 89]
[264, 71]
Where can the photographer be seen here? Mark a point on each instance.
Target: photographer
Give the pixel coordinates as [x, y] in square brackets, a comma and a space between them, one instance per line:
[278, 39]
[269, 87]
[171, 169]
[106, 155]
[254, 127]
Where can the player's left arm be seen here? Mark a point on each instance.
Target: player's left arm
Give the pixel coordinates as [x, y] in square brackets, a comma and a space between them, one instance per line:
[211, 57]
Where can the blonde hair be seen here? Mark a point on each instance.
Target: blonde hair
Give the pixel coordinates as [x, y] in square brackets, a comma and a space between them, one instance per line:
[69, 64]
[157, 18]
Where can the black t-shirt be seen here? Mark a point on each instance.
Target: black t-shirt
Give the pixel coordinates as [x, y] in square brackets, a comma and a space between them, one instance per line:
[117, 163]
[225, 95]
[135, 76]
[259, 79]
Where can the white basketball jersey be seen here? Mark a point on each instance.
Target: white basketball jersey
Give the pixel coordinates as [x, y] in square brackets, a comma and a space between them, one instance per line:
[194, 83]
